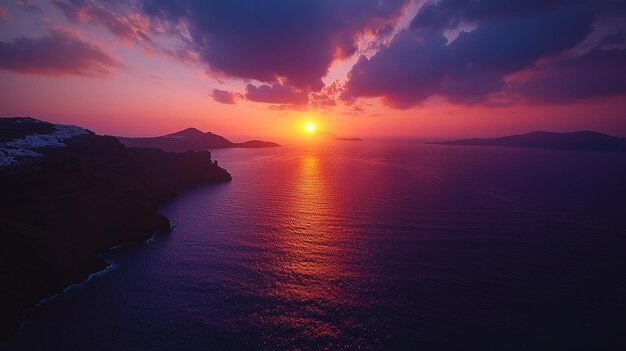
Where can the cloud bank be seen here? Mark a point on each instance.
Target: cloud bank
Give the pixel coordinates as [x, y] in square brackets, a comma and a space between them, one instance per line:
[56, 55]
[470, 52]
[496, 40]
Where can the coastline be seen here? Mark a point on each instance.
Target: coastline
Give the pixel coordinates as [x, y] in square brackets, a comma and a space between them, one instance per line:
[62, 209]
[111, 266]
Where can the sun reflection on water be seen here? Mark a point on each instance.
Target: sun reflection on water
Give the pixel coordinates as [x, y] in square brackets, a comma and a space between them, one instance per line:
[310, 260]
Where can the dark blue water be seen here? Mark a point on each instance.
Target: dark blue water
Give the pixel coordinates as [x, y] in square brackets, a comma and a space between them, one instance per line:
[372, 245]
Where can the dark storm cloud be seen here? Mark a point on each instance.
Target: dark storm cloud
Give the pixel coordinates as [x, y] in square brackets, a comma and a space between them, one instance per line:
[597, 73]
[264, 40]
[55, 55]
[276, 93]
[505, 37]
[449, 13]
[467, 51]
[412, 69]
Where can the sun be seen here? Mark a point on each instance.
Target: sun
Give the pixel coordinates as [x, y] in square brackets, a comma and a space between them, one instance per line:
[309, 127]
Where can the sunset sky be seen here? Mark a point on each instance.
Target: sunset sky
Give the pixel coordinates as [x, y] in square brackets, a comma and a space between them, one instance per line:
[423, 69]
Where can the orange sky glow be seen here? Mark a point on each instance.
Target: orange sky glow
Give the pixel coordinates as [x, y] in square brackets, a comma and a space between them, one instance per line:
[147, 92]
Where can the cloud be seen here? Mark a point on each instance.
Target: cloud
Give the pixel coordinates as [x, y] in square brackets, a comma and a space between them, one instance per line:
[128, 27]
[4, 14]
[327, 97]
[56, 55]
[276, 93]
[509, 36]
[29, 6]
[288, 107]
[450, 13]
[322, 100]
[282, 95]
[224, 97]
[408, 71]
[598, 73]
[466, 51]
[265, 41]
[157, 80]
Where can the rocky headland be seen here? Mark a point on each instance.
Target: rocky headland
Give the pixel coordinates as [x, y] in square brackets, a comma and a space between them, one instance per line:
[67, 195]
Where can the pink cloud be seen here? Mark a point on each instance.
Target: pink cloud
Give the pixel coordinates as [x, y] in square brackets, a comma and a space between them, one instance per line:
[61, 53]
[4, 14]
[276, 94]
[130, 27]
[225, 97]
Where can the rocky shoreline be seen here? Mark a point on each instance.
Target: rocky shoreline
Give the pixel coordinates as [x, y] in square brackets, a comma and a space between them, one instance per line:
[71, 197]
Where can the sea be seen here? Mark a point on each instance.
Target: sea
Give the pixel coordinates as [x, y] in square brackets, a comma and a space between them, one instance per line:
[372, 245]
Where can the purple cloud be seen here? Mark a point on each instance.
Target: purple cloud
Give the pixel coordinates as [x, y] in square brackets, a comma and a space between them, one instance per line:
[467, 51]
[598, 73]
[55, 55]
[224, 97]
[29, 6]
[264, 41]
[276, 94]
[288, 107]
[131, 28]
[421, 62]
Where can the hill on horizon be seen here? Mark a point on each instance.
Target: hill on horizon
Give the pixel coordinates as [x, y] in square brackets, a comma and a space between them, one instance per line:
[579, 140]
[190, 139]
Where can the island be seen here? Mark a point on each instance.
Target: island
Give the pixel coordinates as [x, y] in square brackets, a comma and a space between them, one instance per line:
[191, 139]
[581, 141]
[325, 135]
[67, 195]
[348, 139]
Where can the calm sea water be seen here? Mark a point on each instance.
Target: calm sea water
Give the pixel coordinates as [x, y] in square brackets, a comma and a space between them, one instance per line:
[370, 245]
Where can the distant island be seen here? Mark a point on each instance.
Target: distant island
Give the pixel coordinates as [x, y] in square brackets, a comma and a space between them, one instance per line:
[191, 139]
[68, 194]
[348, 139]
[581, 141]
[333, 136]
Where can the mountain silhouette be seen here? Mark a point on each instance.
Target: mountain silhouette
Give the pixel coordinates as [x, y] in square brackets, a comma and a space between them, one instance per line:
[581, 140]
[191, 139]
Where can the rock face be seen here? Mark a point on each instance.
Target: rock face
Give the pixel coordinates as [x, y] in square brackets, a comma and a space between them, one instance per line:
[68, 195]
[191, 139]
[583, 141]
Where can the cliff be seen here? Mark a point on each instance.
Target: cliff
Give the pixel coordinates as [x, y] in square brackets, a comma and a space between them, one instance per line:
[68, 194]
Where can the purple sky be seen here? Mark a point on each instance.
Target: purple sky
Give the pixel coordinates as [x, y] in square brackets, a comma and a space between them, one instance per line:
[382, 67]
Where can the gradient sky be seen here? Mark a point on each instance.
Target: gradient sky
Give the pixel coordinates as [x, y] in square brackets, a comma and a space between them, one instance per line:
[423, 69]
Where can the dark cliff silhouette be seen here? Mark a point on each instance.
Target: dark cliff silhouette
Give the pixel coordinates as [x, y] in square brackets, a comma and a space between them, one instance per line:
[60, 208]
[191, 139]
[583, 141]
